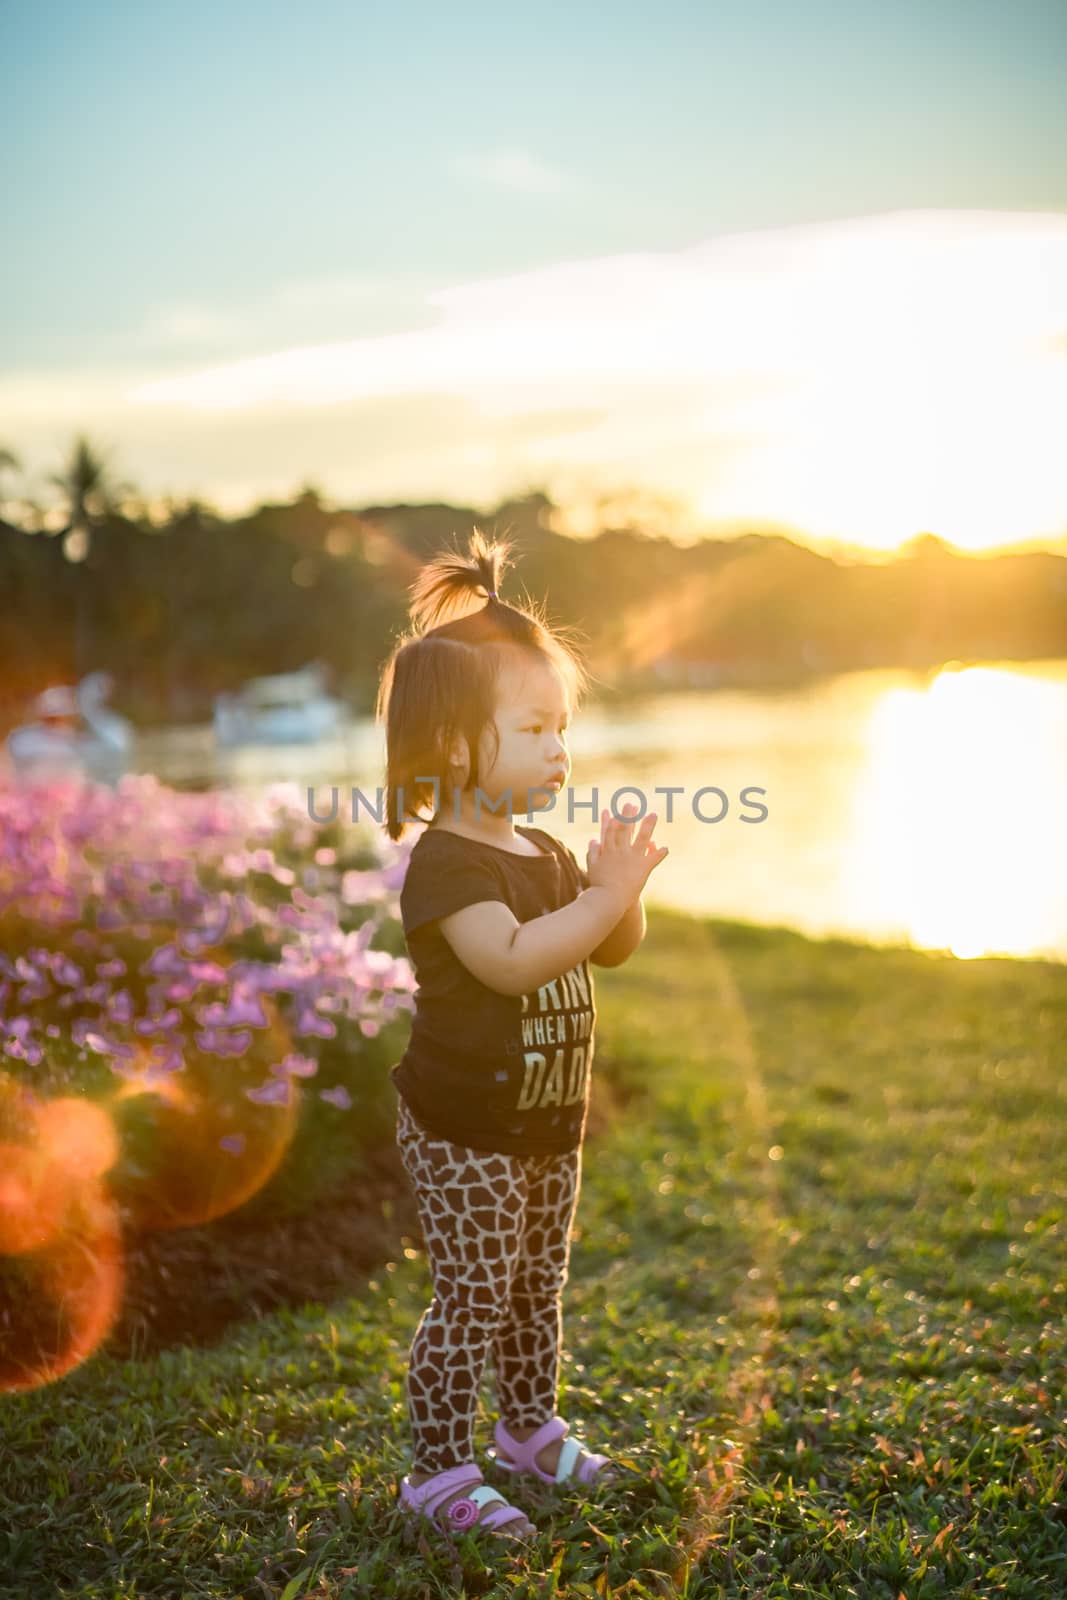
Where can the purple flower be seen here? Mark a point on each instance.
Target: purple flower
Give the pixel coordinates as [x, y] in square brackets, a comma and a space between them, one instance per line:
[295, 1066]
[244, 1008]
[167, 1058]
[337, 1097]
[120, 1008]
[309, 1021]
[146, 1026]
[207, 972]
[80, 860]
[164, 962]
[109, 1047]
[181, 989]
[215, 1042]
[40, 990]
[276, 1093]
[200, 938]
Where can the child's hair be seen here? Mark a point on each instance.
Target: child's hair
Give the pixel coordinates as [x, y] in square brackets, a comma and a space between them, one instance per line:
[440, 678]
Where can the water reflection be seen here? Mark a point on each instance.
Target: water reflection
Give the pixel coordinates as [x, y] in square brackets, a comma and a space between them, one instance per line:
[902, 808]
[956, 835]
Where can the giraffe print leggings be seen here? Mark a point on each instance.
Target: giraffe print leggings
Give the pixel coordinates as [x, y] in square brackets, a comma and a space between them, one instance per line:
[497, 1230]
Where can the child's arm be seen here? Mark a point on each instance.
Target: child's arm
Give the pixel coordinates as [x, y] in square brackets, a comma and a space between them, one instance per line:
[629, 931]
[624, 937]
[515, 957]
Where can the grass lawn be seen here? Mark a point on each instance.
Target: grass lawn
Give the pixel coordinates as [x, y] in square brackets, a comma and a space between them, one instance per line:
[817, 1292]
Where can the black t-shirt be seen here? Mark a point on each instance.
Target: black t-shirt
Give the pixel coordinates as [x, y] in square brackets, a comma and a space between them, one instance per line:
[492, 1071]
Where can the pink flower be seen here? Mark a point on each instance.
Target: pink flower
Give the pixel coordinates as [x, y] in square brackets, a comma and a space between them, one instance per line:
[207, 972]
[181, 989]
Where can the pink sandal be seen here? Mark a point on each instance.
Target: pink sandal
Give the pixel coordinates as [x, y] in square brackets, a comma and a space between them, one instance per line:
[423, 1499]
[594, 1468]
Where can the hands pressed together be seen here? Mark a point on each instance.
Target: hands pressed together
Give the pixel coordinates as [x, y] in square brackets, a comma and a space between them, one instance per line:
[621, 860]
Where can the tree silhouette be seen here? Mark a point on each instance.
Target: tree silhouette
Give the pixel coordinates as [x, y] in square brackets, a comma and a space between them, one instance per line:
[92, 495]
[9, 462]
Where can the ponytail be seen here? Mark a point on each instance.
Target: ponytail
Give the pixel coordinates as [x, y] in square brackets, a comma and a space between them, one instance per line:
[445, 584]
[439, 682]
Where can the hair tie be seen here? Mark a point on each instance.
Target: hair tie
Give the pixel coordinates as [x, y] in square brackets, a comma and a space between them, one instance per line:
[492, 594]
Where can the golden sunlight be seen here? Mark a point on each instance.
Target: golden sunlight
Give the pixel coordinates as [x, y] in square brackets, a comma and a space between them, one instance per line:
[860, 381]
[953, 814]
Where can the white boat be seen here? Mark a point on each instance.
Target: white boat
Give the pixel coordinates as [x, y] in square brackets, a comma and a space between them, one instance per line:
[75, 734]
[282, 708]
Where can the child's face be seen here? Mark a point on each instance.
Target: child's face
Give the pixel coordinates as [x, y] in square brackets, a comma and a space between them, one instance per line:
[532, 715]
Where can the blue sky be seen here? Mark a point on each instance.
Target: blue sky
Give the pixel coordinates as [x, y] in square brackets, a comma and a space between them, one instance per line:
[197, 185]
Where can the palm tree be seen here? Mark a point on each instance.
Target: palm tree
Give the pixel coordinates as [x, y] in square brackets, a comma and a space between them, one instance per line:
[91, 496]
[9, 462]
[90, 493]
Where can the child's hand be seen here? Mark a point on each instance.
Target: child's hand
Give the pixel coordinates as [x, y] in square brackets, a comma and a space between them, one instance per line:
[621, 862]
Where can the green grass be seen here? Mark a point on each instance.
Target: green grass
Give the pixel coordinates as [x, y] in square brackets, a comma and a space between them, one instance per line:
[816, 1291]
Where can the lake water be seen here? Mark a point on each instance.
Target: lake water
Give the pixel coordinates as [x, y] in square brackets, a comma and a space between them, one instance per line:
[928, 810]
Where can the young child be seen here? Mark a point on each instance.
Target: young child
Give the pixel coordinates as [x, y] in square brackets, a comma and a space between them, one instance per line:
[501, 925]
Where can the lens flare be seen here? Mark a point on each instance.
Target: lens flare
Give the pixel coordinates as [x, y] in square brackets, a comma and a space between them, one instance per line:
[61, 1267]
[195, 1146]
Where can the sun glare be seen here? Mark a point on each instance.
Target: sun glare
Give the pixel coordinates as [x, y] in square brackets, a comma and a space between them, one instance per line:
[859, 380]
[954, 812]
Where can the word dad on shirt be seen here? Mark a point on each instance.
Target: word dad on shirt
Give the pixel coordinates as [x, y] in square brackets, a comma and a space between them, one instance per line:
[560, 1014]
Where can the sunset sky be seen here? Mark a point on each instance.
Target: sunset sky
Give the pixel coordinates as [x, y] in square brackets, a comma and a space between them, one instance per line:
[794, 264]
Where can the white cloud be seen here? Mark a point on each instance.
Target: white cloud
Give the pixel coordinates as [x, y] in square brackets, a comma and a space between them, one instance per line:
[188, 324]
[510, 169]
[864, 378]
[295, 311]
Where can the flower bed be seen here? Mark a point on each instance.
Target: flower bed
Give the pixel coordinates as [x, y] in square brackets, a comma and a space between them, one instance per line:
[200, 995]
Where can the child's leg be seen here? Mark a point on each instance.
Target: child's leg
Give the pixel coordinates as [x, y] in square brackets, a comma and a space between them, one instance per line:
[471, 1205]
[526, 1347]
